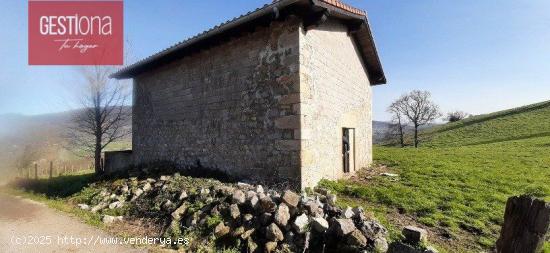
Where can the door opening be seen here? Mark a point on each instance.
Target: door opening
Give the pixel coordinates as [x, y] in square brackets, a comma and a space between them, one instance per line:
[348, 149]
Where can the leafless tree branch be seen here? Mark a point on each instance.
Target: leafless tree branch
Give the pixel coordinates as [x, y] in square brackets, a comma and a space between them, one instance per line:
[417, 108]
[103, 117]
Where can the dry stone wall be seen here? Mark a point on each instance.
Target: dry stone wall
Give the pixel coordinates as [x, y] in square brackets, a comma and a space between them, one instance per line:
[335, 94]
[231, 107]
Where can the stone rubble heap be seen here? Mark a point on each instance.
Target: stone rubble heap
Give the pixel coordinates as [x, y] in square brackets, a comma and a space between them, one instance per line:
[254, 218]
[271, 220]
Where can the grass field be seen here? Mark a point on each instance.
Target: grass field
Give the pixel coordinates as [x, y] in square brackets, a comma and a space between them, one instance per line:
[458, 183]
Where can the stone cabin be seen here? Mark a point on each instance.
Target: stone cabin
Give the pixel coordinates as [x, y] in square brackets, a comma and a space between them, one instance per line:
[281, 93]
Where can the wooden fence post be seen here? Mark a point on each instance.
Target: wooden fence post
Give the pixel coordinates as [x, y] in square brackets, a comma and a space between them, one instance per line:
[51, 169]
[35, 170]
[526, 222]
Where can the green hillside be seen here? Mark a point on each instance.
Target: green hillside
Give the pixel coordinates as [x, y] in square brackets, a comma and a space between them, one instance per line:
[514, 124]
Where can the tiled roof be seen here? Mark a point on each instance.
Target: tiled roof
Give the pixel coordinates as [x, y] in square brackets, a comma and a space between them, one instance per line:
[196, 37]
[345, 7]
[364, 37]
[339, 4]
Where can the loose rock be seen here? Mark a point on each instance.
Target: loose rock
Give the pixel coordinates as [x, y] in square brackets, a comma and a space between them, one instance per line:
[248, 220]
[380, 244]
[167, 205]
[137, 193]
[291, 199]
[251, 245]
[98, 207]
[313, 208]
[331, 199]
[107, 219]
[274, 233]
[357, 239]
[221, 230]
[253, 202]
[124, 189]
[183, 195]
[259, 189]
[373, 230]
[319, 224]
[234, 211]
[431, 249]
[359, 214]
[238, 197]
[176, 215]
[83, 206]
[414, 235]
[282, 215]
[250, 194]
[267, 205]
[270, 247]
[344, 226]
[146, 187]
[348, 213]
[247, 233]
[238, 231]
[300, 224]
[204, 192]
[116, 204]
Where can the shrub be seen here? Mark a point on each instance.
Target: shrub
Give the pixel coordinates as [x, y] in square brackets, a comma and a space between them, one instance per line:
[457, 116]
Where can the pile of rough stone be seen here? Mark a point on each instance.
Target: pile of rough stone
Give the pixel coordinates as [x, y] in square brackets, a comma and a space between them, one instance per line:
[250, 217]
[270, 220]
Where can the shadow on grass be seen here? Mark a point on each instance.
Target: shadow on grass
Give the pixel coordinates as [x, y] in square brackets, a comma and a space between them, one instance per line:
[57, 187]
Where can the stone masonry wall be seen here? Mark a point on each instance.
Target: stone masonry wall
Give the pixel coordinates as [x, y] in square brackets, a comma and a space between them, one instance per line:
[232, 107]
[335, 94]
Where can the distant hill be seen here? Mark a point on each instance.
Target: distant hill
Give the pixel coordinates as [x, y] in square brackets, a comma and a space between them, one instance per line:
[43, 134]
[519, 123]
[380, 129]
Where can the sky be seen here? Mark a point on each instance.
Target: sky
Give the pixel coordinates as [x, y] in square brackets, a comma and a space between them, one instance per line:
[477, 56]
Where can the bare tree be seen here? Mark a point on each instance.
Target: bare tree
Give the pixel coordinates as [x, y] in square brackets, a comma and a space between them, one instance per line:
[396, 128]
[418, 108]
[103, 116]
[457, 116]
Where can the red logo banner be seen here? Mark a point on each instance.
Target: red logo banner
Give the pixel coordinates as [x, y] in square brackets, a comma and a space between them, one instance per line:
[76, 32]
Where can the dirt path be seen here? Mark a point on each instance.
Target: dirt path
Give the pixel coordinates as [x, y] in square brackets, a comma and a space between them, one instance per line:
[28, 226]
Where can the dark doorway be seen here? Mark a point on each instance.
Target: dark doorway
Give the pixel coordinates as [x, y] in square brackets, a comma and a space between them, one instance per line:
[348, 149]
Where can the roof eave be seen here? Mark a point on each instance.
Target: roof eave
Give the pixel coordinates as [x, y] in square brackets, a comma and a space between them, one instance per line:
[363, 36]
[131, 70]
[376, 71]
